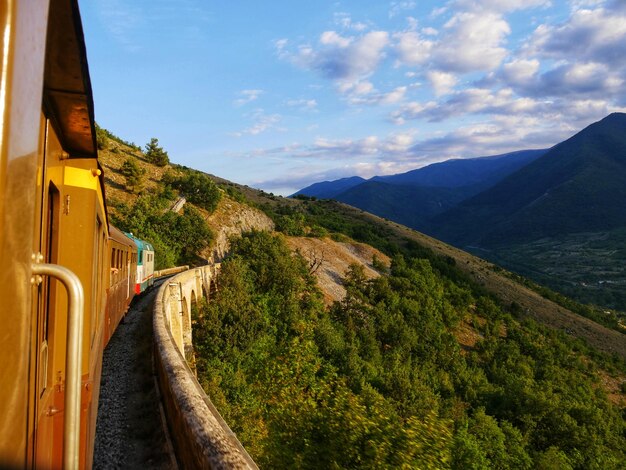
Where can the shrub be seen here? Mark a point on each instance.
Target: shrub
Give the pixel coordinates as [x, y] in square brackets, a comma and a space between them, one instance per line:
[133, 173]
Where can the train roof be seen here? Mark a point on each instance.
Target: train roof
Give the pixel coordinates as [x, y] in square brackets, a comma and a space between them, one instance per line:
[67, 93]
[120, 237]
[141, 244]
[67, 86]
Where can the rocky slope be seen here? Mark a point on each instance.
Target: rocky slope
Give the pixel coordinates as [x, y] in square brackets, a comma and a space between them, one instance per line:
[329, 260]
[232, 218]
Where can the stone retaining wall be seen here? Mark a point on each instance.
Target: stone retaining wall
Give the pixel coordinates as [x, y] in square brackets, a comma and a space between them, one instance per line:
[201, 437]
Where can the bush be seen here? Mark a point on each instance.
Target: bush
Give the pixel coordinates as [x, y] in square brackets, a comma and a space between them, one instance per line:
[133, 174]
[177, 238]
[197, 187]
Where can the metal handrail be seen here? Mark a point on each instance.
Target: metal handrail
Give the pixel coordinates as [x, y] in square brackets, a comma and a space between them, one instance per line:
[73, 358]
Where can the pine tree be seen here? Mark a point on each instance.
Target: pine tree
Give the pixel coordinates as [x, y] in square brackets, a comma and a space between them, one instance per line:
[155, 153]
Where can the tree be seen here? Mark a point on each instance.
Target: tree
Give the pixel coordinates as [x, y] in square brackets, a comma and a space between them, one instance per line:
[155, 153]
[102, 139]
[133, 174]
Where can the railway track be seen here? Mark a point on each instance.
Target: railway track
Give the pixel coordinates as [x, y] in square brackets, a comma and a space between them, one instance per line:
[130, 431]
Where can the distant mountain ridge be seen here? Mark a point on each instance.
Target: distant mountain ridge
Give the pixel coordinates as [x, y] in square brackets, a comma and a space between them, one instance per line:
[415, 197]
[577, 186]
[456, 173]
[329, 189]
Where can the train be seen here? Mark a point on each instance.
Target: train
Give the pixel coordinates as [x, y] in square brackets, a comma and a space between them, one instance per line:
[145, 264]
[67, 276]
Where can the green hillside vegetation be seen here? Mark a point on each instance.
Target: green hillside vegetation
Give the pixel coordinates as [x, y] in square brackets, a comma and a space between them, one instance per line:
[331, 217]
[141, 189]
[379, 380]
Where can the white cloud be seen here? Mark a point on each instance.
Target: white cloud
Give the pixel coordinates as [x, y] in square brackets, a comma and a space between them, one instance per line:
[345, 21]
[331, 38]
[501, 135]
[396, 8]
[375, 98]
[303, 104]
[469, 101]
[412, 49]
[520, 72]
[500, 6]
[247, 96]
[469, 42]
[341, 58]
[261, 123]
[441, 82]
[597, 35]
[472, 42]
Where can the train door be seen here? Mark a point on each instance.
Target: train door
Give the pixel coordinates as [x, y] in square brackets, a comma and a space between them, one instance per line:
[47, 453]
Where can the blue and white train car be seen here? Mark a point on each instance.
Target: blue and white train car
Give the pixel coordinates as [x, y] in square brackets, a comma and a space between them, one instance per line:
[145, 264]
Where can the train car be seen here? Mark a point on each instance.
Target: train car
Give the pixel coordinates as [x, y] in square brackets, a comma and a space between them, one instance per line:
[145, 264]
[54, 236]
[122, 279]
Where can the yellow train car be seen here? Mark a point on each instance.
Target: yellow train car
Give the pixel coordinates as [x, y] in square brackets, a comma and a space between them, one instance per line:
[122, 279]
[54, 253]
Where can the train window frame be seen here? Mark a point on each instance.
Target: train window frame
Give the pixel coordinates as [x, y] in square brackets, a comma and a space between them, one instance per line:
[47, 296]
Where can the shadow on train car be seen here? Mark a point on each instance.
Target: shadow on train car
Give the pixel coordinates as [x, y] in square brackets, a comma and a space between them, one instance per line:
[56, 250]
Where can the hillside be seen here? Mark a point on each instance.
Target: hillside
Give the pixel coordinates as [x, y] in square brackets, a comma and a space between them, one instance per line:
[560, 220]
[237, 211]
[316, 346]
[413, 206]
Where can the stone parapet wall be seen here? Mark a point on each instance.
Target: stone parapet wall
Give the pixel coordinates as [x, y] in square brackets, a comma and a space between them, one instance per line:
[201, 437]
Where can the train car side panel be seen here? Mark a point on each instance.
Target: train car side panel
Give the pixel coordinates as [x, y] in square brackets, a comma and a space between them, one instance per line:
[22, 52]
[122, 252]
[84, 249]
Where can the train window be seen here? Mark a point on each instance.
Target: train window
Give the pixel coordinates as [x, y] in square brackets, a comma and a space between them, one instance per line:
[46, 291]
[95, 280]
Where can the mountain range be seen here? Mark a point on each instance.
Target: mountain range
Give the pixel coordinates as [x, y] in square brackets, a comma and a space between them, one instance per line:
[431, 190]
[500, 206]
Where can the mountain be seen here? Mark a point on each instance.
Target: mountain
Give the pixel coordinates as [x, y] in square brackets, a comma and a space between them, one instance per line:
[329, 189]
[472, 174]
[415, 197]
[482, 171]
[577, 186]
[412, 206]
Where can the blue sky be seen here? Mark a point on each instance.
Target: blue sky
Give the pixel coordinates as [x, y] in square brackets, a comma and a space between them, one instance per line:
[279, 94]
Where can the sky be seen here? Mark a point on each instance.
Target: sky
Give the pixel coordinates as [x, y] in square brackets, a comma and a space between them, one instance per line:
[279, 94]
